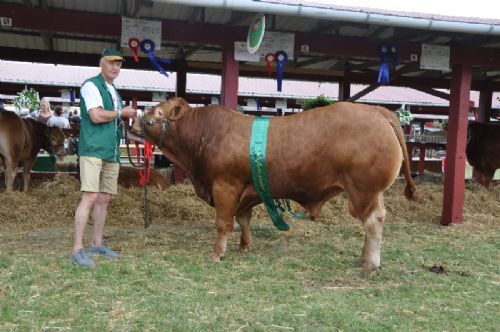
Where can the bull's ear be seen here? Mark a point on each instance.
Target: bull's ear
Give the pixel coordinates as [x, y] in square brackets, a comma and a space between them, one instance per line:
[159, 112]
[175, 113]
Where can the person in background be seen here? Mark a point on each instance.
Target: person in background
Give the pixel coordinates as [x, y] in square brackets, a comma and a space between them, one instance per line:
[99, 152]
[57, 119]
[45, 112]
[75, 119]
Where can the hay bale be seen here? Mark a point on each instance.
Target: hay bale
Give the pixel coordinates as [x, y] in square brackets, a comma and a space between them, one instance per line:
[53, 203]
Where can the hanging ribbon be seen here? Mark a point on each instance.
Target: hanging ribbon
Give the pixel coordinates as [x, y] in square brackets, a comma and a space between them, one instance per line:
[72, 95]
[148, 47]
[281, 59]
[394, 56]
[386, 52]
[145, 170]
[383, 71]
[133, 44]
[270, 61]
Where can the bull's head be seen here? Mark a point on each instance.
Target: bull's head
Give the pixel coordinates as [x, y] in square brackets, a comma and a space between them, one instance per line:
[55, 139]
[156, 120]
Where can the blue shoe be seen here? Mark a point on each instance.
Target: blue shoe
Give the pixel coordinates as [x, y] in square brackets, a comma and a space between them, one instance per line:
[81, 259]
[102, 250]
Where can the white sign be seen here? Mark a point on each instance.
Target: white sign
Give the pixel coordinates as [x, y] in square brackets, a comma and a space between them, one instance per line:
[141, 29]
[435, 57]
[277, 41]
[5, 21]
[241, 53]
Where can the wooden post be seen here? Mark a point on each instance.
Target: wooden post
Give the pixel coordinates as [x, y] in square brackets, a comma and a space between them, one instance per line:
[454, 184]
[230, 74]
[421, 160]
[179, 176]
[180, 83]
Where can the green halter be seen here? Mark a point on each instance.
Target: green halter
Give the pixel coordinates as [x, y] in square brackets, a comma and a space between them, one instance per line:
[275, 208]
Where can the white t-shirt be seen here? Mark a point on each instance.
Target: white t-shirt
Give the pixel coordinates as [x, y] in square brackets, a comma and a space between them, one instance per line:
[58, 121]
[93, 98]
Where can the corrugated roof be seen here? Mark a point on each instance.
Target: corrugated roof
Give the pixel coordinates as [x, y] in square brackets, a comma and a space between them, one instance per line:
[139, 80]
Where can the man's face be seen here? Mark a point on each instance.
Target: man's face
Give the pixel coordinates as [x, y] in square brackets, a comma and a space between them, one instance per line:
[110, 70]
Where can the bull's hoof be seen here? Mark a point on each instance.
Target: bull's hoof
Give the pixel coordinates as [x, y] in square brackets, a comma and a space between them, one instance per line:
[370, 270]
[215, 258]
[244, 249]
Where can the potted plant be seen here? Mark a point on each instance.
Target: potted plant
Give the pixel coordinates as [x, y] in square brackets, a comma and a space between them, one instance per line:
[319, 101]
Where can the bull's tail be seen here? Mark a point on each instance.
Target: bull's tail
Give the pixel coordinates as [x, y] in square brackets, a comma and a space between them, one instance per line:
[410, 189]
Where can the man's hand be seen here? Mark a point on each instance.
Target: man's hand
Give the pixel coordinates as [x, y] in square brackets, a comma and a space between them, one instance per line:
[129, 112]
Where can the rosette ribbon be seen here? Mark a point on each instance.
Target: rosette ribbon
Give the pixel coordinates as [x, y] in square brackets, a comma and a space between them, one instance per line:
[386, 52]
[270, 60]
[148, 47]
[133, 44]
[281, 59]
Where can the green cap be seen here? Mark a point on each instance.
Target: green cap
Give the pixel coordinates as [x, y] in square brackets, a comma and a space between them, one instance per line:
[110, 54]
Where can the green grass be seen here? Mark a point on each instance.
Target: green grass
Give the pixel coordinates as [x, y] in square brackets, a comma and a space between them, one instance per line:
[306, 280]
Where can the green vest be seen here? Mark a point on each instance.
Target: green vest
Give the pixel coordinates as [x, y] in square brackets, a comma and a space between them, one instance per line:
[100, 140]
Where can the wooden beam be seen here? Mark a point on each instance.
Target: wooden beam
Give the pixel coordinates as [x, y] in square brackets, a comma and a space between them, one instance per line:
[430, 91]
[364, 92]
[86, 23]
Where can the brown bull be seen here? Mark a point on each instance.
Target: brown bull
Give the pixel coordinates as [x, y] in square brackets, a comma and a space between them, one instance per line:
[311, 157]
[483, 149]
[20, 142]
[129, 177]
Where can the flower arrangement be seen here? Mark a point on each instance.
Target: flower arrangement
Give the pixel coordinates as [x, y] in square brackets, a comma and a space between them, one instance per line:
[404, 115]
[27, 99]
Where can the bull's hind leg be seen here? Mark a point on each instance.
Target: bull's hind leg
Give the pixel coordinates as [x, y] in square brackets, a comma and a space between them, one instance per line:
[244, 222]
[371, 211]
[370, 256]
[27, 174]
[226, 200]
[10, 174]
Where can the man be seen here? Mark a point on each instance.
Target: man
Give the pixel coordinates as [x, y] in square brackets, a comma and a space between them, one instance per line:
[100, 132]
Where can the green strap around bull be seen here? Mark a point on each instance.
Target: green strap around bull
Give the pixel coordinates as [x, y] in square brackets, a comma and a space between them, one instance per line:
[258, 143]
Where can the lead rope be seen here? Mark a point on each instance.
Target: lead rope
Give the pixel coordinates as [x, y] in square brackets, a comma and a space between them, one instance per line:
[144, 175]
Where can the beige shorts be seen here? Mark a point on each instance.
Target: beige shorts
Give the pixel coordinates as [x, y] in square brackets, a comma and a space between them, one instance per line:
[97, 175]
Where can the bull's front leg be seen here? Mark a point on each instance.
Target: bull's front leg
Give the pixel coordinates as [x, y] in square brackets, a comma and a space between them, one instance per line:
[226, 203]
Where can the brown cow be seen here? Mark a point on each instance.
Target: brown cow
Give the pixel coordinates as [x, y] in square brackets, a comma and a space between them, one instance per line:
[129, 177]
[483, 149]
[20, 142]
[311, 157]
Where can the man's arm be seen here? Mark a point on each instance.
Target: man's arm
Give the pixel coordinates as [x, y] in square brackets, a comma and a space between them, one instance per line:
[99, 115]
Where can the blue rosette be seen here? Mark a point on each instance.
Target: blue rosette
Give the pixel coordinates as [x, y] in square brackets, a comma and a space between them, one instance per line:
[281, 58]
[148, 47]
[386, 52]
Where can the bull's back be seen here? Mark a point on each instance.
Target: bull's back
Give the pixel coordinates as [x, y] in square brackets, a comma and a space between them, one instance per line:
[329, 143]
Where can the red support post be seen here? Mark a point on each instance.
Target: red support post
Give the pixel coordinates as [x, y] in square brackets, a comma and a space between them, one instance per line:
[454, 183]
[421, 160]
[230, 75]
